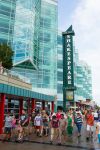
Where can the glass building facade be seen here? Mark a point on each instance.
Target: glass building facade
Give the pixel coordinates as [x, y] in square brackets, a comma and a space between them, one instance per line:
[82, 75]
[31, 27]
[26, 34]
[35, 39]
[48, 45]
[59, 69]
[7, 19]
[83, 82]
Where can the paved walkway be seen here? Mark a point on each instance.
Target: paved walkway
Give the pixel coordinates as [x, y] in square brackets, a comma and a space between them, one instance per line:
[34, 146]
[71, 142]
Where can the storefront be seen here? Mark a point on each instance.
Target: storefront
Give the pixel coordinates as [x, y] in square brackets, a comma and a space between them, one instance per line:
[14, 100]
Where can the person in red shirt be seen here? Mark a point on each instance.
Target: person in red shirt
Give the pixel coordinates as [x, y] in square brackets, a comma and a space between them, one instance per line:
[58, 114]
[90, 124]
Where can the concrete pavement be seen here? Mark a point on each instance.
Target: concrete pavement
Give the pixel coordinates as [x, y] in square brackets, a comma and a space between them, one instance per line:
[71, 143]
[31, 146]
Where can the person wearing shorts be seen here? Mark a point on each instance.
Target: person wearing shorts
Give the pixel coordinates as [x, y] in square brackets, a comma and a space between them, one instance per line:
[38, 122]
[7, 127]
[62, 128]
[24, 123]
[45, 118]
[90, 124]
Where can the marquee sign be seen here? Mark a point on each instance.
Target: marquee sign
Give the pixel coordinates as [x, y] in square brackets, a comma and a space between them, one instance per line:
[68, 72]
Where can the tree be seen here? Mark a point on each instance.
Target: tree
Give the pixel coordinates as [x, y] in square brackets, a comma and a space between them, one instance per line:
[6, 55]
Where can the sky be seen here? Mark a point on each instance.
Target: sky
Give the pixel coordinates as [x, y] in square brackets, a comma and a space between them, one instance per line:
[84, 15]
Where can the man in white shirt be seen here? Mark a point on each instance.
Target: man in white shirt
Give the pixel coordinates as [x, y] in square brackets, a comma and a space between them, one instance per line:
[7, 127]
[38, 122]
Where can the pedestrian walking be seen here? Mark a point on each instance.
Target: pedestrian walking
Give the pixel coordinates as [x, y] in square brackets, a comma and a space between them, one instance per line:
[13, 130]
[54, 125]
[38, 122]
[45, 118]
[98, 131]
[24, 123]
[90, 124]
[58, 114]
[70, 124]
[62, 128]
[95, 115]
[20, 132]
[7, 127]
[32, 118]
[30, 125]
[78, 122]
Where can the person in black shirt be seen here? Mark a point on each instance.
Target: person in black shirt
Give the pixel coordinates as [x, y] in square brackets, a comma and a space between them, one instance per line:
[24, 122]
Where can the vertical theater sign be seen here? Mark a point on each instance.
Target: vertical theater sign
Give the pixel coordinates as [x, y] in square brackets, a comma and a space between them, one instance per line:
[68, 72]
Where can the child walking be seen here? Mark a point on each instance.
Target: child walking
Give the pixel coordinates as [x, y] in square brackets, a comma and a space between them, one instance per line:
[19, 131]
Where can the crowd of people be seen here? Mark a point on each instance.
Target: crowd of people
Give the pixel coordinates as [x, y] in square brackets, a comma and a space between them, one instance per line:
[56, 126]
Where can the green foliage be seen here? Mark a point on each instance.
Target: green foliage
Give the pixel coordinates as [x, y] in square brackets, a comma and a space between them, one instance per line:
[6, 55]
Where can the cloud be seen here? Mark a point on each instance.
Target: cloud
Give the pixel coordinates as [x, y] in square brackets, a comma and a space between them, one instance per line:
[86, 23]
